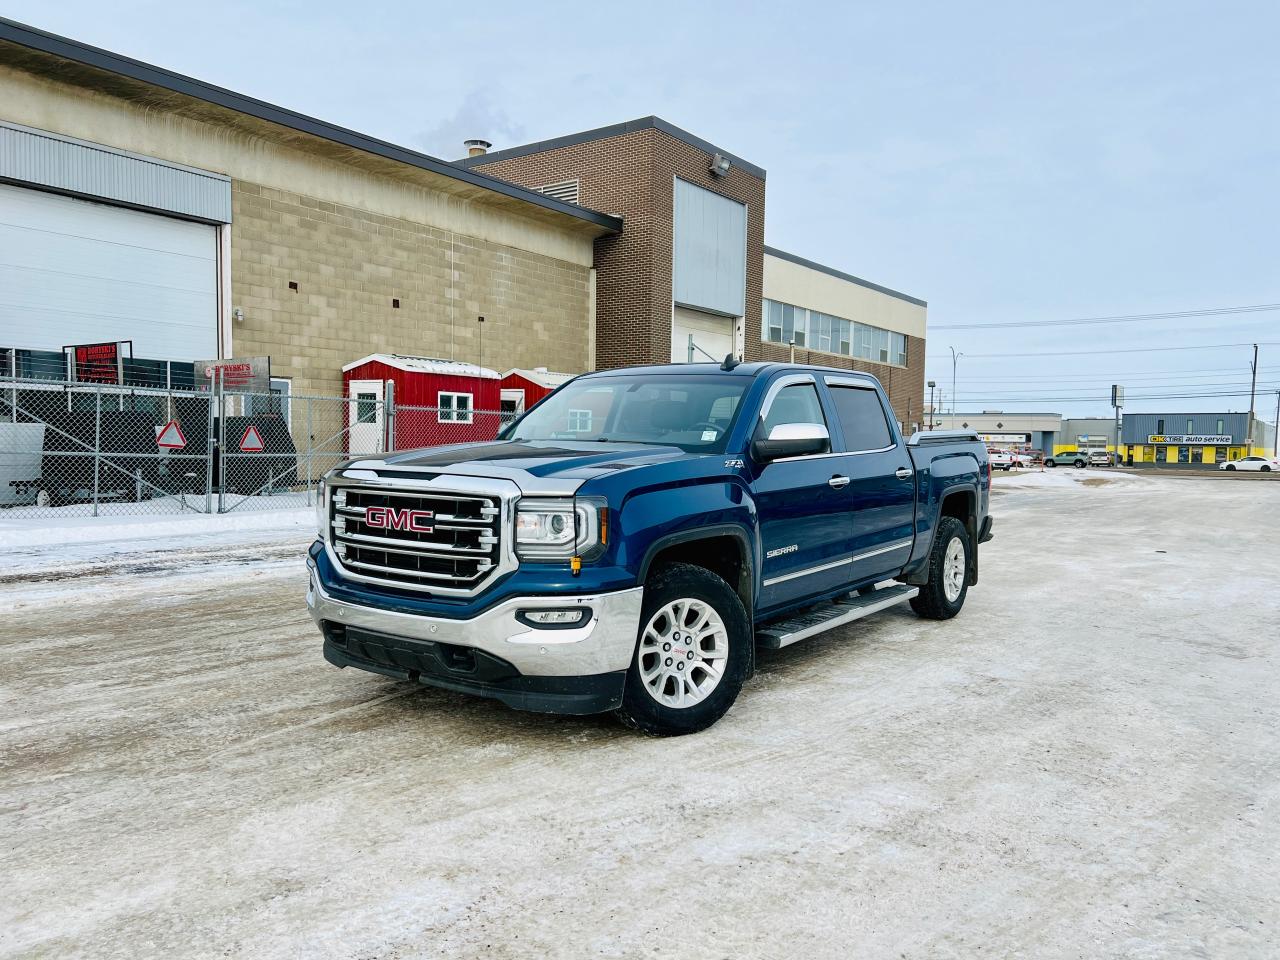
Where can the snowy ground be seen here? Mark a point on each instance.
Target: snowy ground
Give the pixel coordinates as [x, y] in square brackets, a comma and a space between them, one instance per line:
[1083, 764]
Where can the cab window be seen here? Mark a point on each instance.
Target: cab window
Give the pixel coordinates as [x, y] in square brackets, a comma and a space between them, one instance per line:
[861, 416]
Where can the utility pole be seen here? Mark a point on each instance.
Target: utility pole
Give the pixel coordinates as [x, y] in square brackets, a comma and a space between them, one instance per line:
[954, 357]
[481, 319]
[933, 410]
[1253, 385]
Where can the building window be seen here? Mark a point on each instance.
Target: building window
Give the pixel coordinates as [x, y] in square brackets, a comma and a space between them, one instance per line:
[1190, 428]
[1220, 425]
[453, 407]
[1160, 427]
[784, 323]
[579, 421]
[366, 408]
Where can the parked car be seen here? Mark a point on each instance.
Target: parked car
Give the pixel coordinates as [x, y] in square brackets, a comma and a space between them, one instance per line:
[1030, 458]
[1067, 458]
[1101, 458]
[635, 563]
[1264, 464]
[1000, 460]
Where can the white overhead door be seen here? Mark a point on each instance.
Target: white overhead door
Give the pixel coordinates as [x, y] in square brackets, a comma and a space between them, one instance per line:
[72, 271]
[698, 337]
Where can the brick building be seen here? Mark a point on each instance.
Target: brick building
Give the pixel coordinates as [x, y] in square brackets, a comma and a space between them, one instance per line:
[690, 278]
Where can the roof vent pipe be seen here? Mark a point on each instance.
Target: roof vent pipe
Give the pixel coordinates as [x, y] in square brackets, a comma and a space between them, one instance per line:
[477, 148]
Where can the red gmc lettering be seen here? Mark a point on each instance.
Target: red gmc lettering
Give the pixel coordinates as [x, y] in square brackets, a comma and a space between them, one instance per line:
[389, 518]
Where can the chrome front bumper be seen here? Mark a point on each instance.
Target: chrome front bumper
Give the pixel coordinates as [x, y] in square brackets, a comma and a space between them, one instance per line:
[604, 644]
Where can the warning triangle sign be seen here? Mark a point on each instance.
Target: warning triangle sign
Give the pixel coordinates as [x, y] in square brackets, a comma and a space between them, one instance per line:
[251, 442]
[171, 436]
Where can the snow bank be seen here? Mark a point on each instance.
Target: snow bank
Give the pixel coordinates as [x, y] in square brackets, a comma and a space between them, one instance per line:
[32, 547]
[1064, 477]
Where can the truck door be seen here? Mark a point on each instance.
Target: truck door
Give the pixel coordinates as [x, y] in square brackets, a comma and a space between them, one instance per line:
[804, 520]
[880, 492]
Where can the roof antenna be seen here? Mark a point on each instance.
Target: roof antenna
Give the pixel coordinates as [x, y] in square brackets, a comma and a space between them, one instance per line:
[729, 362]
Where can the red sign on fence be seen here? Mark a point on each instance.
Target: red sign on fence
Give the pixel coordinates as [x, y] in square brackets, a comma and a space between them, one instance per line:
[251, 442]
[97, 362]
[171, 436]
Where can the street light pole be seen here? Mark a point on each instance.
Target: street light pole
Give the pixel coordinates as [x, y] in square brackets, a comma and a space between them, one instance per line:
[1248, 444]
[954, 357]
[933, 410]
[1275, 437]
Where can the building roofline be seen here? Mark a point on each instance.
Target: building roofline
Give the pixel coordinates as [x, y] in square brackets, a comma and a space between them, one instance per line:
[602, 133]
[90, 56]
[841, 275]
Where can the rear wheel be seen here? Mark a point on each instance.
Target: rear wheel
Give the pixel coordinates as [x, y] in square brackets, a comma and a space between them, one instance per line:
[943, 596]
[1050, 463]
[1266, 468]
[692, 656]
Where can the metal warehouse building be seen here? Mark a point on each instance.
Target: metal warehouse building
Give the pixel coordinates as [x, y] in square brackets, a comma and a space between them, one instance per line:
[1191, 439]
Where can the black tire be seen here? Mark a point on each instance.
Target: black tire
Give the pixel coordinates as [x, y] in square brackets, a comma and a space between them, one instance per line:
[1050, 463]
[1079, 464]
[1231, 466]
[1266, 468]
[677, 581]
[931, 602]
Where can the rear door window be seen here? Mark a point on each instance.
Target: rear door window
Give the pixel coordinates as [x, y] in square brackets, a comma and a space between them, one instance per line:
[861, 416]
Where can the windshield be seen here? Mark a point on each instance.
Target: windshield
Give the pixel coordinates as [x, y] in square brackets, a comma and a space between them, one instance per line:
[694, 413]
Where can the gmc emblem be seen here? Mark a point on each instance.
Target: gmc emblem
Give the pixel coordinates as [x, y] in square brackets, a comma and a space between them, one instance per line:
[389, 518]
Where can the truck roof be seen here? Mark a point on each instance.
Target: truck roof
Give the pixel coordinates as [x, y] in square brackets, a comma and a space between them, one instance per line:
[746, 369]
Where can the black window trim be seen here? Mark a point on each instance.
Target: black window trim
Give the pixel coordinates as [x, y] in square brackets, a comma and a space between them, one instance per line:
[844, 382]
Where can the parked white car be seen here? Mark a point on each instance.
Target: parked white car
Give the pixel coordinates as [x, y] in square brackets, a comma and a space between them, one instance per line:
[1000, 460]
[1265, 464]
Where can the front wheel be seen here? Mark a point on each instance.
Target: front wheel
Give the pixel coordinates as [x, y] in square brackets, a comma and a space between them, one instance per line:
[943, 596]
[1079, 464]
[1231, 466]
[692, 656]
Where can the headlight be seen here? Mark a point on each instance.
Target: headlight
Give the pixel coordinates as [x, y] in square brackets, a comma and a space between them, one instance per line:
[322, 511]
[557, 529]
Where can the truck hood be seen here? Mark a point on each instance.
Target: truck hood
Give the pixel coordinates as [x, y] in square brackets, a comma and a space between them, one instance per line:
[537, 467]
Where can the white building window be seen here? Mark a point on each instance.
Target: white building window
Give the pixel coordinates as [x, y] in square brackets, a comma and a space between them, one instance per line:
[782, 323]
[579, 421]
[453, 407]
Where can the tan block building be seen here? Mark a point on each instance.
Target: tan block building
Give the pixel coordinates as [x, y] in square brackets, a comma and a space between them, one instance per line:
[138, 205]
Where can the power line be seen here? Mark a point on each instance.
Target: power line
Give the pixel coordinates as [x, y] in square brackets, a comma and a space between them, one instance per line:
[1125, 318]
[1082, 353]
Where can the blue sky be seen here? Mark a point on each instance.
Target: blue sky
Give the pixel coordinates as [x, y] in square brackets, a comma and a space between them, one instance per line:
[1007, 162]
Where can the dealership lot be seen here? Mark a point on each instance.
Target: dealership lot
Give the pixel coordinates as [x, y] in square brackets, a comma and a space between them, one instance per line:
[1083, 764]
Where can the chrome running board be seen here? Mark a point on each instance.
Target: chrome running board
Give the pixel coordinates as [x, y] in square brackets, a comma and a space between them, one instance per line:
[828, 616]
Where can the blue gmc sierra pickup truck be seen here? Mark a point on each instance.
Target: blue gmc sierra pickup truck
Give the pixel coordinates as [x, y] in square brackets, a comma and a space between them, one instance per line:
[629, 542]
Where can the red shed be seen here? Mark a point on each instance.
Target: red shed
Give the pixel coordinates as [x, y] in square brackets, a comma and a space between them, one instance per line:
[436, 401]
[521, 389]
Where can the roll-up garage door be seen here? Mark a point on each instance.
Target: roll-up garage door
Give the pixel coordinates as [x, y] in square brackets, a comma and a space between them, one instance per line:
[74, 271]
[704, 335]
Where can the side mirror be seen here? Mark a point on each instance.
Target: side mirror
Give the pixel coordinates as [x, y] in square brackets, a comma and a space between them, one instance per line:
[791, 440]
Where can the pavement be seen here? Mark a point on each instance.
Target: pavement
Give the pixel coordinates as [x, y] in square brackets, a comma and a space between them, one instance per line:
[1083, 764]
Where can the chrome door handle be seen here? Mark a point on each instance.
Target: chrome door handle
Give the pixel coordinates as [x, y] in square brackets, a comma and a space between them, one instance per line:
[838, 482]
[903, 473]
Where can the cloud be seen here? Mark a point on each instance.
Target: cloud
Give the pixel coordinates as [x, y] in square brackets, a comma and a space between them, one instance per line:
[477, 116]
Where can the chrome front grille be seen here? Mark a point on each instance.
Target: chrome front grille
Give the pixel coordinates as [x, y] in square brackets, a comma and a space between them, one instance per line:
[442, 540]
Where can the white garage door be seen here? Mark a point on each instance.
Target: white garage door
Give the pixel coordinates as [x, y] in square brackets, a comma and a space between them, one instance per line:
[72, 271]
[712, 336]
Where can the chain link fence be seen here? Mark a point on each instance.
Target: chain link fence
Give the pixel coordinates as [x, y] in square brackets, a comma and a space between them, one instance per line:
[74, 449]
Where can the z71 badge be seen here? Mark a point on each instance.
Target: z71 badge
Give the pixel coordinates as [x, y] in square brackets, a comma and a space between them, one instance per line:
[734, 463]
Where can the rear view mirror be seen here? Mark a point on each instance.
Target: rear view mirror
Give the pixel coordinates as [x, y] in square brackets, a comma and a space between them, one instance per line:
[791, 440]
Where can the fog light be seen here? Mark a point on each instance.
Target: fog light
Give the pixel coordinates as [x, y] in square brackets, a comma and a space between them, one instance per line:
[553, 619]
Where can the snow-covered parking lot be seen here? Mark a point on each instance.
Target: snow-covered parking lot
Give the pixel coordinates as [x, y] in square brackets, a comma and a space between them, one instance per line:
[1086, 763]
